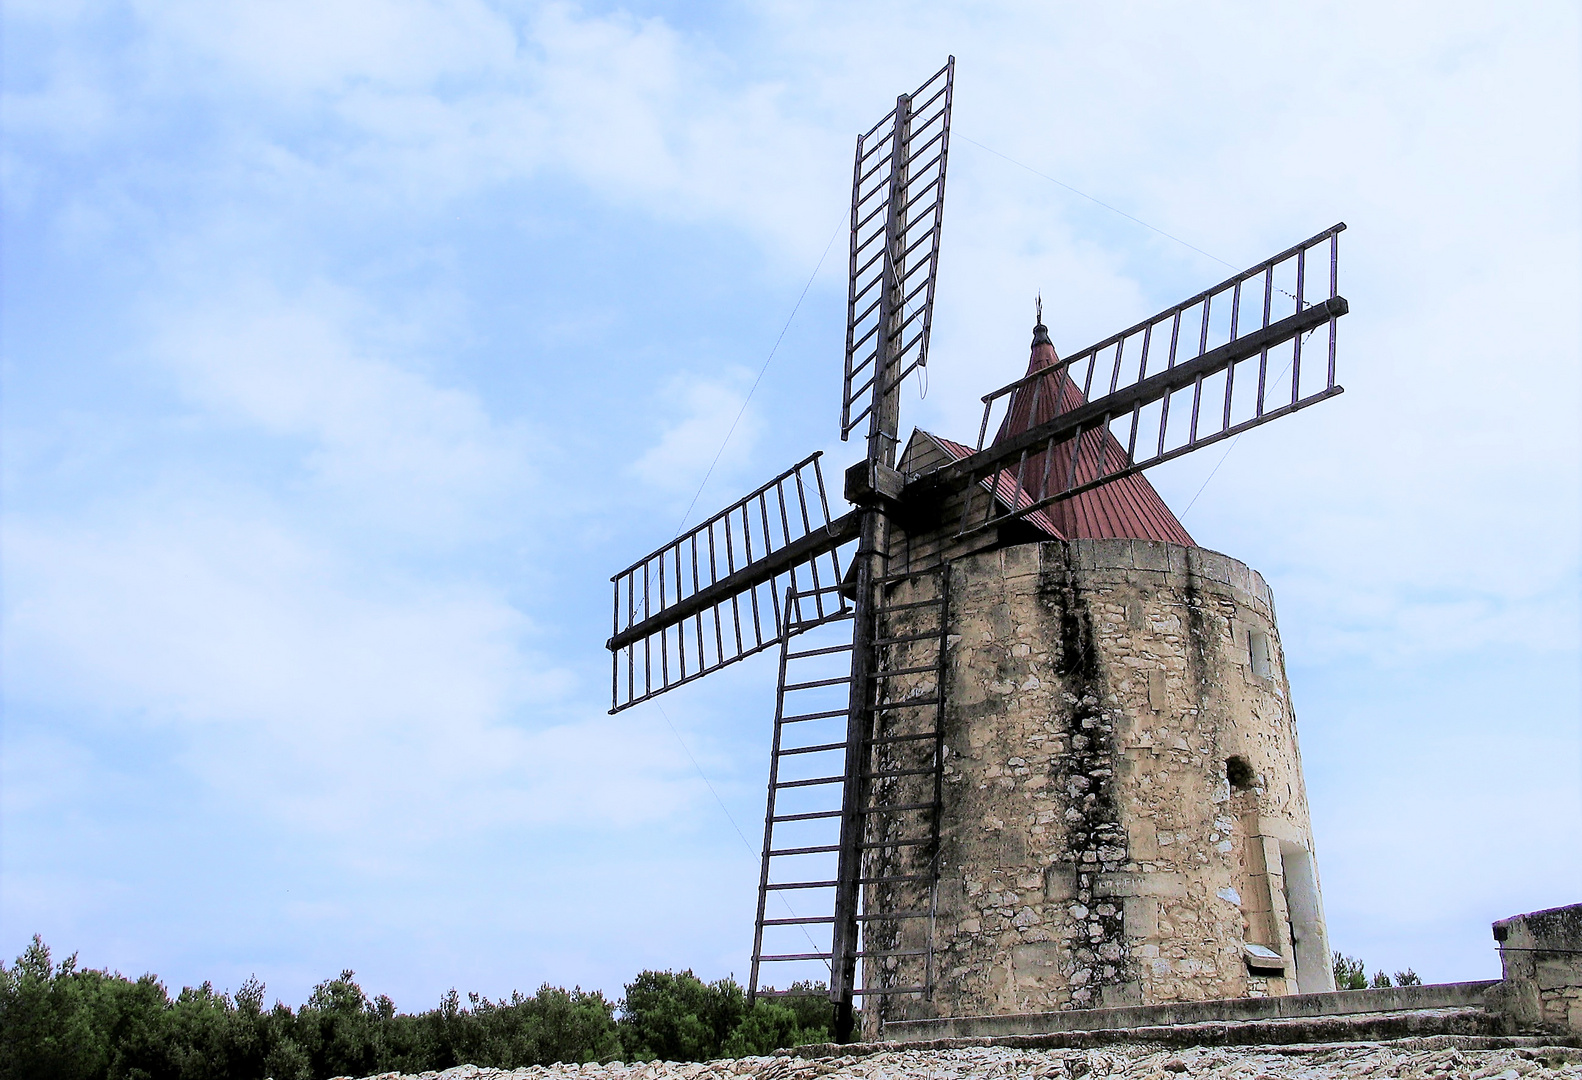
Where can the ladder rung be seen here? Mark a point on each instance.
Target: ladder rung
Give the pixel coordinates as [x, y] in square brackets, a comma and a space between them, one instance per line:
[885, 609]
[819, 850]
[820, 814]
[771, 958]
[898, 772]
[813, 783]
[905, 575]
[792, 993]
[909, 704]
[818, 652]
[906, 637]
[823, 590]
[876, 844]
[776, 886]
[800, 625]
[876, 992]
[916, 736]
[888, 809]
[895, 952]
[906, 671]
[812, 716]
[894, 877]
[800, 922]
[818, 749]
[816, 683]
[894, 915]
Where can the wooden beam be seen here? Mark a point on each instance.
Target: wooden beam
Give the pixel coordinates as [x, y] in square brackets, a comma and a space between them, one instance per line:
[975, 467]
[796, 553]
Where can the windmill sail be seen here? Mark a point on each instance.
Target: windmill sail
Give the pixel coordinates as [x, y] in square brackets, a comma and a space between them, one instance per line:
[714, 595]
[1168, 386]
[897, 207]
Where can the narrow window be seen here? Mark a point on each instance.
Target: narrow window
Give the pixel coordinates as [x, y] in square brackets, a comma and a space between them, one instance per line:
[1238, 772]
[1258, 648]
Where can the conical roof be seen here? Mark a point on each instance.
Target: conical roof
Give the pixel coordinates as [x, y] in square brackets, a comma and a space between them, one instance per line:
[1128, 508]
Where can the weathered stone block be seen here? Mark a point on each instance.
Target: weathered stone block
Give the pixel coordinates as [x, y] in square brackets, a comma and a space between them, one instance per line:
[1142, 916]
[1144, 841]
[1555, 975]
[1020, 561]
[1121, 995]
[1541, 954]
[1036, 955]
[1214, 566]
[1060, 881]
[1167, 884]
[1158, 700]
[1104, 555]
[1150, 555]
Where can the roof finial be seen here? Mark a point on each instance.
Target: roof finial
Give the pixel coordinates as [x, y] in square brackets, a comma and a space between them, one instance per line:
[1040, 331]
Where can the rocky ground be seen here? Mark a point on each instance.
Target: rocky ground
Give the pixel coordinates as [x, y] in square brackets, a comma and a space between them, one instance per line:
[1443, 1058]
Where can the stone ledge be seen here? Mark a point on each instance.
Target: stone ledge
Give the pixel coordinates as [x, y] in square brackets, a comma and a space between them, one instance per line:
[1229, 1010]
[1541, 956]
[1160, 560]
[1476, 1027]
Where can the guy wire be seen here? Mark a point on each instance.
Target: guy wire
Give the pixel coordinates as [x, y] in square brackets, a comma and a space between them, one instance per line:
[775, 348]
[726, 810]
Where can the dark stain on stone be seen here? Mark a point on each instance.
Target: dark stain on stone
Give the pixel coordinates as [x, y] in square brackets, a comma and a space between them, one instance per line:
[1197, 632]
[1097, 842]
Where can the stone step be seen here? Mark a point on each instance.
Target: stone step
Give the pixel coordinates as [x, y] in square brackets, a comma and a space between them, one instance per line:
[1460, 1023]
[1392, 999]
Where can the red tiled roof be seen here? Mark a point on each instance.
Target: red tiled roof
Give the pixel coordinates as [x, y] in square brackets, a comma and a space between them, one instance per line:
[1128, 508]
[1004, 488]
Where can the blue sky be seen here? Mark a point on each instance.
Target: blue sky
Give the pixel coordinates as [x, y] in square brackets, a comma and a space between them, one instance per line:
[349, 346]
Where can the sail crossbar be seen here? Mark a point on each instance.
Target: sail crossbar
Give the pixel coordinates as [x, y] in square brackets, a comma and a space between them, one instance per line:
[713, 595]
[897, 210]
[1165, 387]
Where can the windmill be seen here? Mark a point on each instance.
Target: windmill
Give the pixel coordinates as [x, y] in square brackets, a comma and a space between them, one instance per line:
[855, 779]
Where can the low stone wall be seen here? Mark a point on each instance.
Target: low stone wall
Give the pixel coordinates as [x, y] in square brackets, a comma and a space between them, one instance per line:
[1231, 1010]
[1541, 957]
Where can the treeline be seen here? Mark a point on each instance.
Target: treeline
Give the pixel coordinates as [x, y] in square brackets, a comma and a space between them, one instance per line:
[1352, 974]
[69, 1023]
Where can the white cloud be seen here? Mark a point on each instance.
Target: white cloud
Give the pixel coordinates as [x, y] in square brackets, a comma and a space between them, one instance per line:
[416, 456]
[332, 701]
[299, 49]
[678, 462]
[433, 102]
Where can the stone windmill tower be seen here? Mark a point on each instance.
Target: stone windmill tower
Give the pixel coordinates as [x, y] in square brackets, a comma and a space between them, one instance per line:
[1123, 817]
[1033, 749]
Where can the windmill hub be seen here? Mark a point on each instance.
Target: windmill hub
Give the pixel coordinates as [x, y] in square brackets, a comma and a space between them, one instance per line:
[1033, 748]
[873, 483]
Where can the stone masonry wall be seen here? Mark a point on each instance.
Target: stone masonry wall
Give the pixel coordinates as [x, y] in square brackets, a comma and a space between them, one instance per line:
[1094, 850]
[1541, 958]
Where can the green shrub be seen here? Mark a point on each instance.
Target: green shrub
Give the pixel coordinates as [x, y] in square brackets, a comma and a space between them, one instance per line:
[1350, 973]
[64, 1023]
